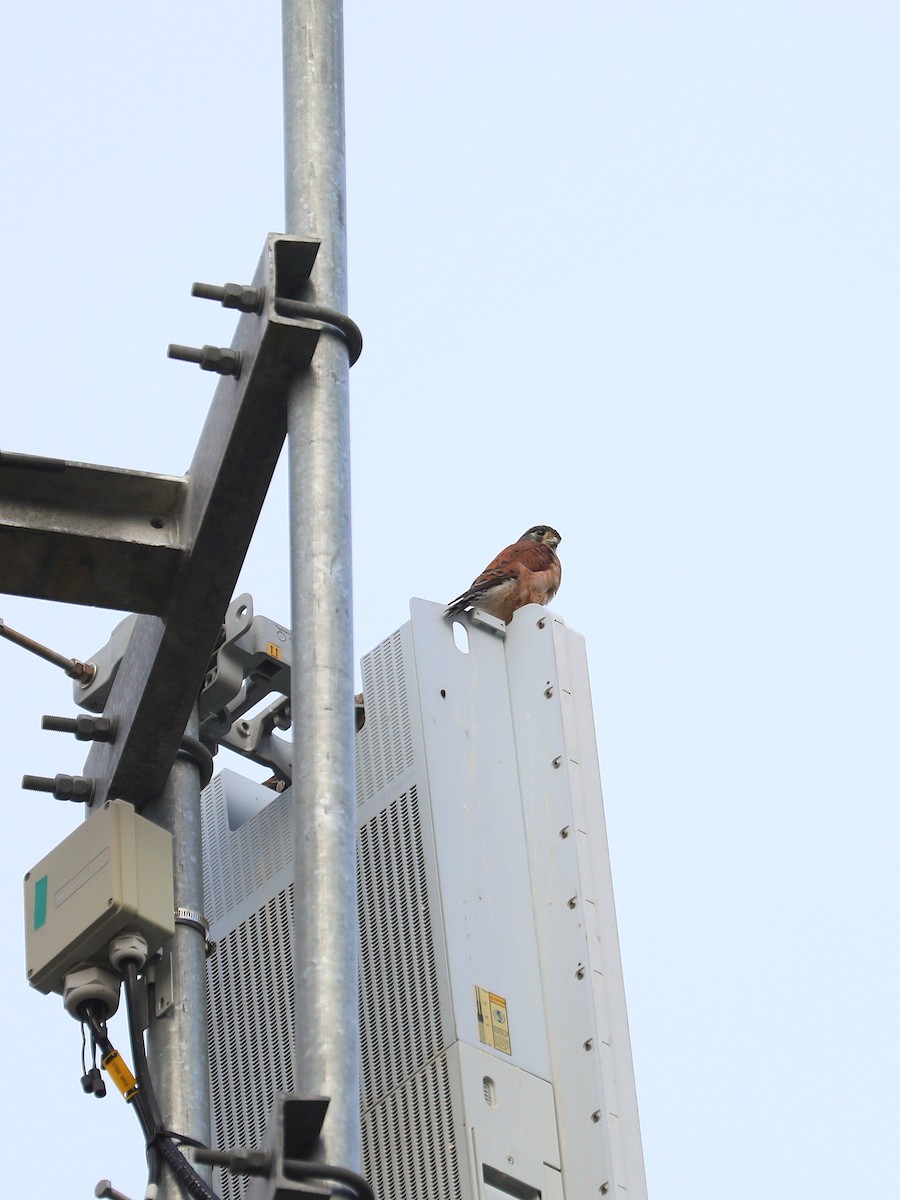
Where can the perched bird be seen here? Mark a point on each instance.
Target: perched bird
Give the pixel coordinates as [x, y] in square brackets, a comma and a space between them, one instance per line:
[527, 572]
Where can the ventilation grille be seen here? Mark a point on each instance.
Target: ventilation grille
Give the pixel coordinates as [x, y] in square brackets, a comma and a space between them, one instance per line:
[251, 1029]
[238, 862]
[399, 1002]
[409, 1140]
[384, 747]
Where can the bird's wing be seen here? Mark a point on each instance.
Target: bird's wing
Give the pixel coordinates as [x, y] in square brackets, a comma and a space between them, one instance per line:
[508, 565]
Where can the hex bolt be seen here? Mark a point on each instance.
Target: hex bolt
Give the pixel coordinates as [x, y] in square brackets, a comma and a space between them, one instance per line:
[221, 359]
[63, 787]
[86, 729]
[105, 1191]
[232, 295]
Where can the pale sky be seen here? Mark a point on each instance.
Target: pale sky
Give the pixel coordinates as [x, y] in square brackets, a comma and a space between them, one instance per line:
[629, 269]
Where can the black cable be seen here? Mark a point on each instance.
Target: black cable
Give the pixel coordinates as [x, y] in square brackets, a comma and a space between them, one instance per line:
[160, 1141]
[158, 1137]
[296, 1168]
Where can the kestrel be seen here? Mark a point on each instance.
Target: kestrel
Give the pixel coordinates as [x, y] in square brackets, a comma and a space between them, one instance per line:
[527, 572]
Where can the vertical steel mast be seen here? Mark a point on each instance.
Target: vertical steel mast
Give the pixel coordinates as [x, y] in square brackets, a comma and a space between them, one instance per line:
[178, 1041]
[325, 922]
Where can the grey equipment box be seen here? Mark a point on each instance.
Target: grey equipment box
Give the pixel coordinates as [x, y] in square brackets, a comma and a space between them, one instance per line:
[110, 875]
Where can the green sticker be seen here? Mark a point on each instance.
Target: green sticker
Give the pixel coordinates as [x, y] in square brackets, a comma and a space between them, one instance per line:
[40, 902]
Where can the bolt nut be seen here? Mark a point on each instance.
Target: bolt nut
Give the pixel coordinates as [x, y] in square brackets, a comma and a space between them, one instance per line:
[75, 788]
[221, 359]
[85, 728]
[245, 299]
[63, 787]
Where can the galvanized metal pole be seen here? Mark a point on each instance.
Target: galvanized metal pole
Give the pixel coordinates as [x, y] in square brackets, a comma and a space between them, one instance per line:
[325, 922]
[177, 1044]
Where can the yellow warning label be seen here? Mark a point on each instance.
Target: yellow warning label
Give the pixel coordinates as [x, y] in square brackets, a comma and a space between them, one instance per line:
[273, 651]
[493, 1025]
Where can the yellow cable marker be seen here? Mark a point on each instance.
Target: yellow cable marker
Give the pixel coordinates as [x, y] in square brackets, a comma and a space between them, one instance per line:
[119, 1073]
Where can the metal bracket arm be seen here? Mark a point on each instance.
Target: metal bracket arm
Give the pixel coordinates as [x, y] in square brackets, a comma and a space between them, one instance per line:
[85, 534]
[167, 656]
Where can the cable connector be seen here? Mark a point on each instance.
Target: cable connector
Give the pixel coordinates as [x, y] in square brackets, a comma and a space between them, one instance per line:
[92, 1083]
[90, 986]
[128, 947]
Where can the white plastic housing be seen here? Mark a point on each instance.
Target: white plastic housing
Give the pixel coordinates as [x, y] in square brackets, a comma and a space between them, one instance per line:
[496, 1060]
[112, 874]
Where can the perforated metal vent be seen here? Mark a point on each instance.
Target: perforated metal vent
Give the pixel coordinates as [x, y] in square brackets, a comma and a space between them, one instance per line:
[238, 862]
[419, 1118]
[251, 1023]
[384, 747]
[399, 1002]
